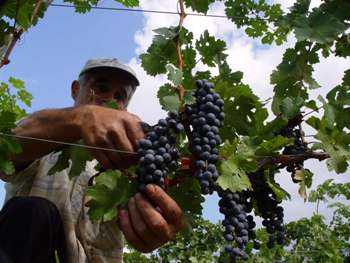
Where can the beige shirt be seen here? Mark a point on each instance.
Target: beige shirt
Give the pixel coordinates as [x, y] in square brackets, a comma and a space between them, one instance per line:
[86, 241]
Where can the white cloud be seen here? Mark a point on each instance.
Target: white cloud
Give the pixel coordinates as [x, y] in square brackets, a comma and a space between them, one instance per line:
[255, 60]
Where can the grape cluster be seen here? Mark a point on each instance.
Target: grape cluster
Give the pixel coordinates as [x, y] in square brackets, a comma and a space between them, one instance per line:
[237, 224]
[157, 151]
[248, 208]
[299, 147]
[269, 208]
[205, 116]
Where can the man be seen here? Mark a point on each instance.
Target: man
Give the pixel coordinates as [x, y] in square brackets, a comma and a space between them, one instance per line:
[40, 206]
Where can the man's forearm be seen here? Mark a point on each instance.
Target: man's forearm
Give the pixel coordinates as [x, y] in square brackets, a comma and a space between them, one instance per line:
[50, 124]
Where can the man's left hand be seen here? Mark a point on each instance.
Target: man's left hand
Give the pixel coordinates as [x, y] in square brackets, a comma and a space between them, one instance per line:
[148, 223]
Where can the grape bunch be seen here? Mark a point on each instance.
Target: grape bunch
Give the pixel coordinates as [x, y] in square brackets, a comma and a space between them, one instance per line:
[299, 147]
[205, 117]
[269, 208]
[248, 208]
[237, 224]
[157, 151]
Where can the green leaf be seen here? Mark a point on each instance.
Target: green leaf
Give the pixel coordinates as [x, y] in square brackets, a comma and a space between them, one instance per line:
[161, 52]
[188, 196]
[233, 170]
[168, 98]
[111, 190]
[311, 104]
[275, 144]
[319, 27]
[79, 157]
[111, 104]
[342, 46]
[174, 74]
[290, 107]
[209, 48]
[10, 145]
[17, 83]
[232, 177]
[201, 6]
[189, 98]
[336, 145]
[129, 3]
[304, 176]
[276, 188]
[62, 162]
[7, 167]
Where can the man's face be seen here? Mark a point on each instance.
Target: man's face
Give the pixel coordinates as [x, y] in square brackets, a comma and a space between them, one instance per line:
[99, 87]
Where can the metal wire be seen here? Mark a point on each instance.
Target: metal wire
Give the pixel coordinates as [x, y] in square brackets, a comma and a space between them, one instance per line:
[66, 143]
[145, 11]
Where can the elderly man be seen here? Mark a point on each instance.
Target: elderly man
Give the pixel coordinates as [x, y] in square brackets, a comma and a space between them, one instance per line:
[45, 216]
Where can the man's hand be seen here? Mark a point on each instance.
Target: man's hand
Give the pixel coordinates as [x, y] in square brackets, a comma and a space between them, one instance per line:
[144, 226]
[109, 128]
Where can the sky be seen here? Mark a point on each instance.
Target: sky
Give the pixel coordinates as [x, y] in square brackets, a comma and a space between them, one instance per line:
[50, 56]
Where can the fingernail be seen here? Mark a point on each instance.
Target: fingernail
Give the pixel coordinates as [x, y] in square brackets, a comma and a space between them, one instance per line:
[150, 188]
[137, 196]
[122, 214]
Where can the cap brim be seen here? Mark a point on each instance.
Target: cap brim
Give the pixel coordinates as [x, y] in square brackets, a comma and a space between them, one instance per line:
[132, 76]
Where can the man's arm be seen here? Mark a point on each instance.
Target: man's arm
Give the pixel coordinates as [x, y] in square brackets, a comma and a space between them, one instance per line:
[50, 124]
[97, 126]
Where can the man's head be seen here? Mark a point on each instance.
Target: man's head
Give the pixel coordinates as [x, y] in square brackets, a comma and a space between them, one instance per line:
[103, 80]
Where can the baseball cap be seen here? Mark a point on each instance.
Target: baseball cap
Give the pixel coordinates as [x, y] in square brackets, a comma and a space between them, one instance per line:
[109, 63]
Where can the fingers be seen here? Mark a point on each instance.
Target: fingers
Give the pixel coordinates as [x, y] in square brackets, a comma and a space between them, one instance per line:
[140, 227]
[134, 130]
[170, 209]
[100, 155]
[154, 220]
[129, 233]
[121, 140]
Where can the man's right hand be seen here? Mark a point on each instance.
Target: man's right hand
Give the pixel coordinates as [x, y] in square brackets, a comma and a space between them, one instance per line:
[114, 129]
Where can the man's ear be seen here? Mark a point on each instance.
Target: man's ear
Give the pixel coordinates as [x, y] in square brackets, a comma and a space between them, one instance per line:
[75, 88]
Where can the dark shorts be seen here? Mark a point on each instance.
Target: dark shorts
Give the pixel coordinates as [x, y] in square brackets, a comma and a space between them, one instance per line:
[31, 231]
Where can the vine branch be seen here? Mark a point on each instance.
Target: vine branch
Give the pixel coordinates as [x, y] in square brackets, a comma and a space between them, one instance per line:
[284, 159]
[180, 88]
[17, 33]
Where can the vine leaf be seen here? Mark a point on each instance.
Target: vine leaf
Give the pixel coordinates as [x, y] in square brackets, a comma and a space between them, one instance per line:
[233, 177]
[62, 162]
[188, 196]
[271, 146]
[290, 107]
[174, 75]
[161, 52]
[201, 6]
[275, 187]
[233, 170]
[305, 178]
[209, 48]
[111, 190]
[78, 157]
[7, 167]
[319, 27]
[168, 98]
